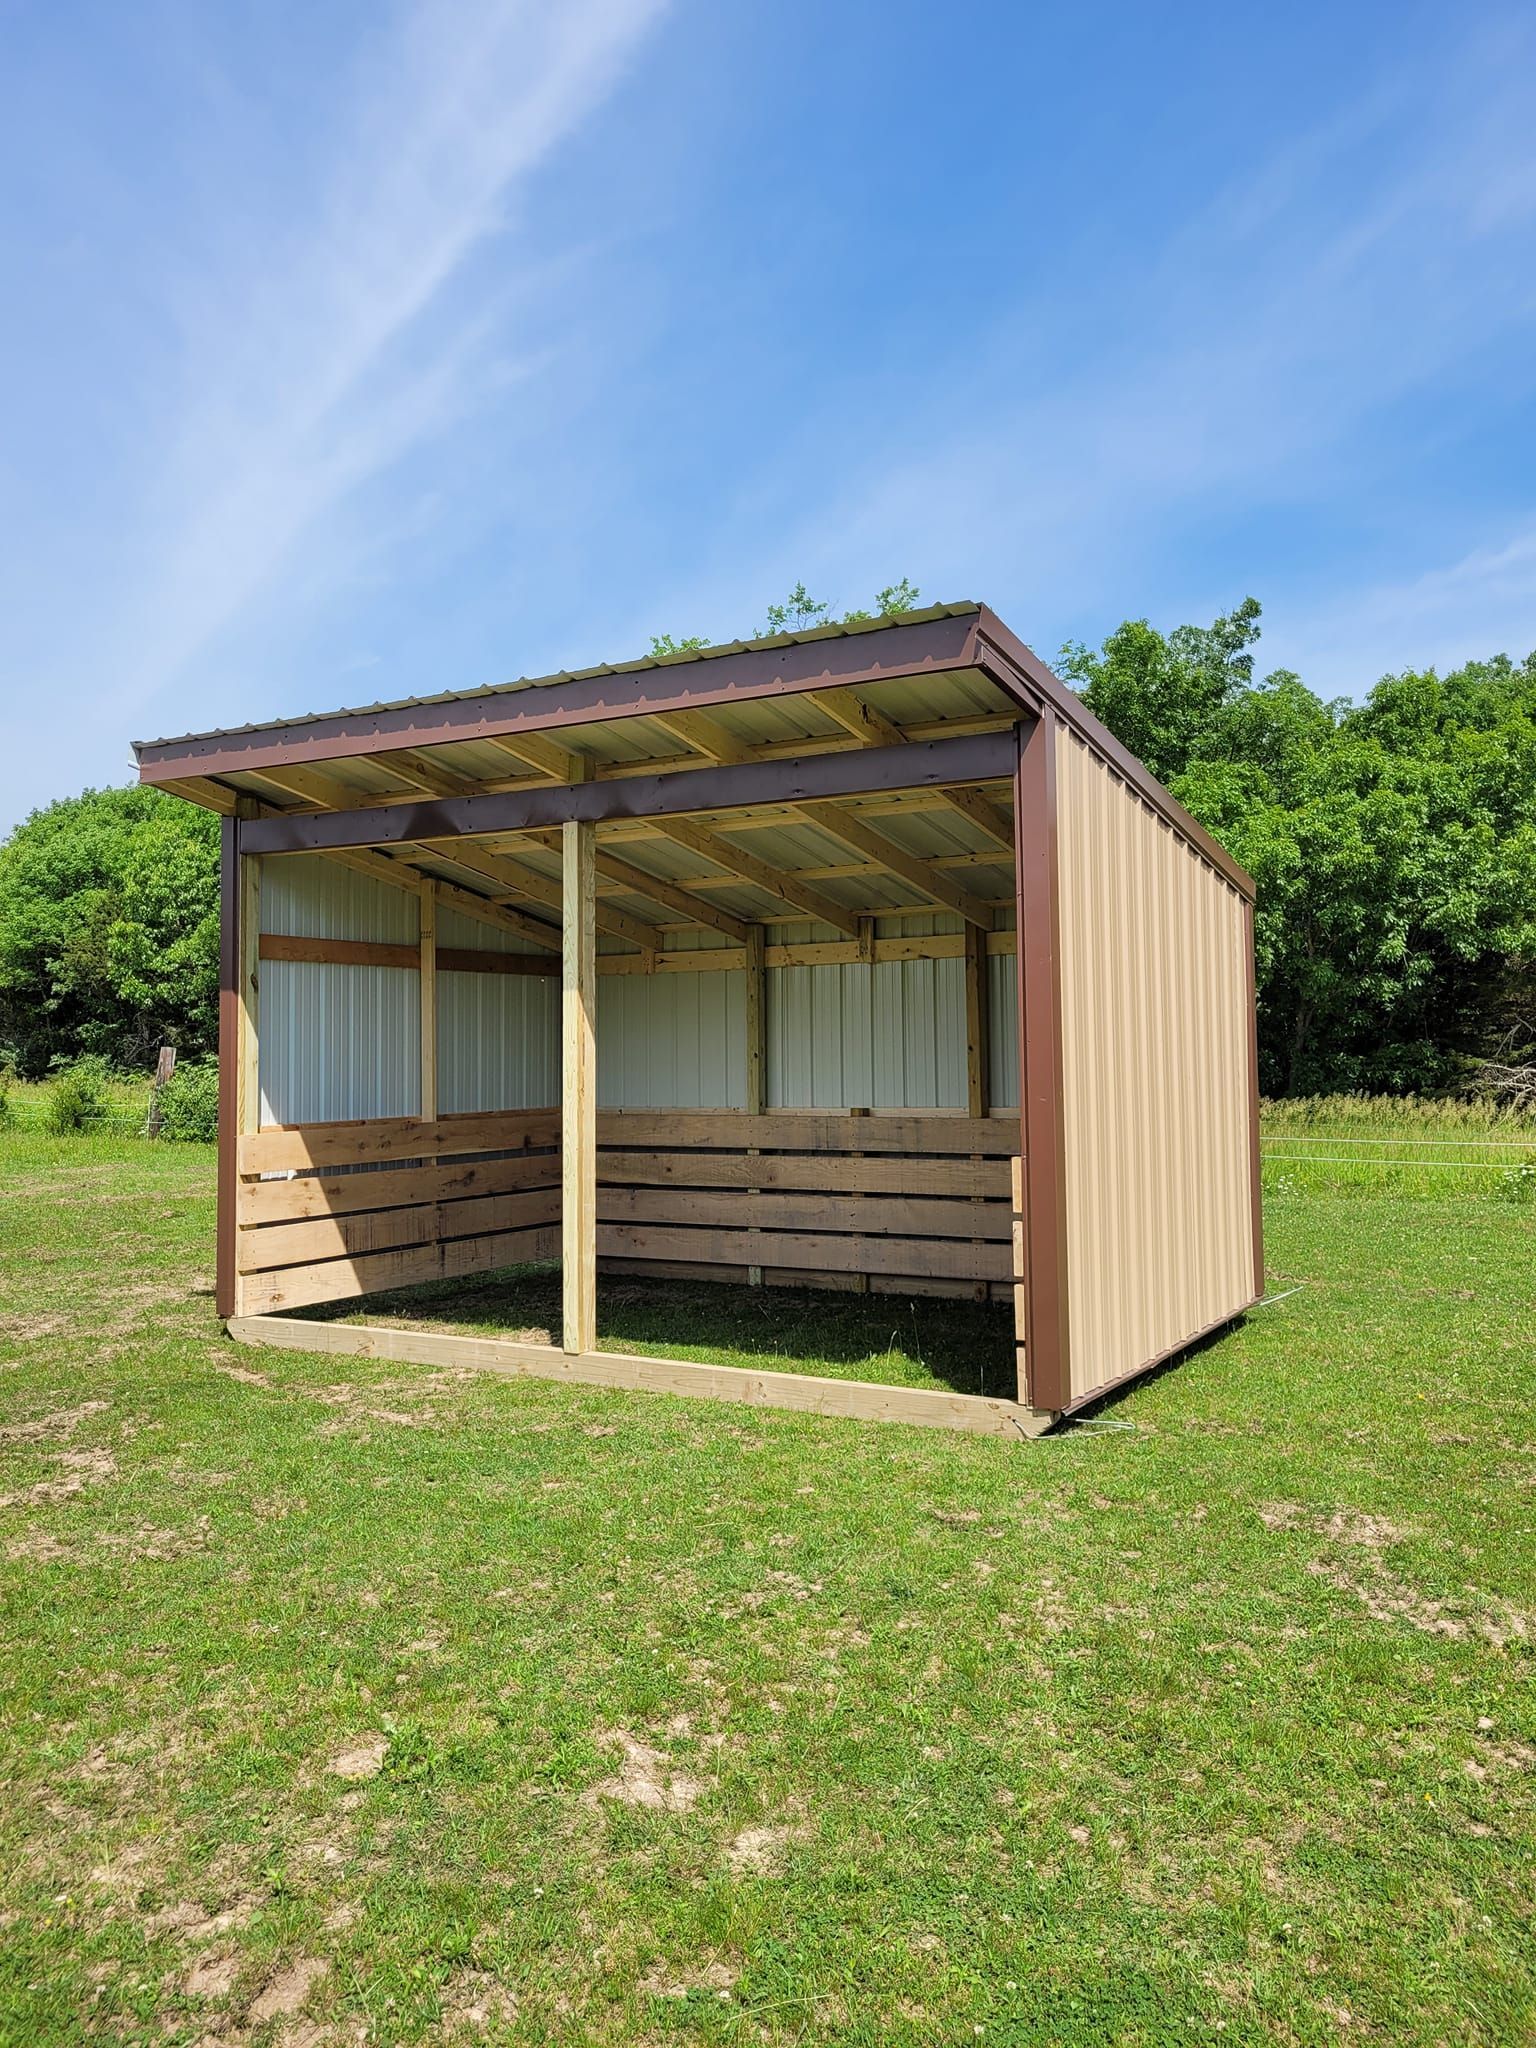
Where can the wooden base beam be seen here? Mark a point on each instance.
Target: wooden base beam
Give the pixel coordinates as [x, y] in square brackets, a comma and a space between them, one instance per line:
[855, 1399]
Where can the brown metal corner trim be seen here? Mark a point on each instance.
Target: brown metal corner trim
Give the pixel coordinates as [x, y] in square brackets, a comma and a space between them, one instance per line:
[1042, 1107]
[1005, 660]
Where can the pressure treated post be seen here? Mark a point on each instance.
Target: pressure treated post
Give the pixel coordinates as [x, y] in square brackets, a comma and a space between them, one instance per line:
[578, 1085]
[428, 1001]
[757, 1046]
[239, 1069]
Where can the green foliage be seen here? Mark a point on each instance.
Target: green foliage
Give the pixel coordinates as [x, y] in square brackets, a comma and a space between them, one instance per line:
[6, 1112]
[109, 929]
[801, 613]
[78, 1100]
[189, 1102]
[1393, 843]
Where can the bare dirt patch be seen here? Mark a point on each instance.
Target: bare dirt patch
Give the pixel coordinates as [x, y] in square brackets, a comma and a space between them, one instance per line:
[78, 1470]
[1352, 1527]
[211, 1977]
[64, 1422]
[362, 1759]
[286, 1992]
[758, 1851]
[473, 2000]
[646, 1778]
[1385, 1597]
[660, 1982]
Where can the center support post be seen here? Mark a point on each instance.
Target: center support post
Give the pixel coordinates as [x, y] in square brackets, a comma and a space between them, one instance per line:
[578, 1084]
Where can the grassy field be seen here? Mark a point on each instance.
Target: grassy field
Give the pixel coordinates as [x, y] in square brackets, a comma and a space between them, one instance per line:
[408, 1706]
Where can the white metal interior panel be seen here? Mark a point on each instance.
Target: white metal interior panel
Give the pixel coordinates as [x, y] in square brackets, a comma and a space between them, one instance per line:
[1003, 1031]
[672, 1041]
[498, 1035]
[338, 1042]
[498, 1041]
[306, 897]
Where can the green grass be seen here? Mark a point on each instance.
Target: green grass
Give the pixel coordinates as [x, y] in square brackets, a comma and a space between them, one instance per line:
[1215, 1723]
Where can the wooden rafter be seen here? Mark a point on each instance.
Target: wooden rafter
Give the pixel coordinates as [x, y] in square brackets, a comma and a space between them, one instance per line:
[748, 868]
[911, 868]
[671, 895]
[871, 728]
[400, 874]
[529, 884]
[545, 756]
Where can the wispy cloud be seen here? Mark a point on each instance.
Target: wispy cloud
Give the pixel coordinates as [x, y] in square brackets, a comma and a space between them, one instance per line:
[307, 370]
[1467, 610]
[1240, 369]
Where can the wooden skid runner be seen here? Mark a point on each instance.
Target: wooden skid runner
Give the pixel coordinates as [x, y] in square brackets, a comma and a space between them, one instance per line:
[857, 1399]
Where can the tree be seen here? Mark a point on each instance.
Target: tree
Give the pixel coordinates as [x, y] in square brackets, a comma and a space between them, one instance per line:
[800, 613]
[109, 929]
[1393, 843]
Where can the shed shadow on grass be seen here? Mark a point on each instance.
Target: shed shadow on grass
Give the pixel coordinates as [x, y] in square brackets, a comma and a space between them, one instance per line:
[965, 1347]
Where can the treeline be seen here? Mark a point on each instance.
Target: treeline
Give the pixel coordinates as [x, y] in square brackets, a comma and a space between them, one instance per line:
[1393, 843]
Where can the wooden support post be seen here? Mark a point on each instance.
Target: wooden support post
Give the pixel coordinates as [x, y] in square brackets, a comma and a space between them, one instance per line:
[578, 1076]
[757, 1044]
[239, 1068]
[976, 1021]
[428, 1111]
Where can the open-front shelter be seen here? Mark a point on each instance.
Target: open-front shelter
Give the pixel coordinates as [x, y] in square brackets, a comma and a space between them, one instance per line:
[863, 957]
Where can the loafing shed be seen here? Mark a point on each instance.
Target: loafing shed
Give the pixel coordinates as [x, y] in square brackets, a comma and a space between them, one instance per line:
[860, 958]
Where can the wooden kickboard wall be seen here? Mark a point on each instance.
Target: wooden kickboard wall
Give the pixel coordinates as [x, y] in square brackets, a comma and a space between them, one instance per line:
[911, 1203]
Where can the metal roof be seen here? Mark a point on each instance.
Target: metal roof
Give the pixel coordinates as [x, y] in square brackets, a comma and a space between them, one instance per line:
[842, 630]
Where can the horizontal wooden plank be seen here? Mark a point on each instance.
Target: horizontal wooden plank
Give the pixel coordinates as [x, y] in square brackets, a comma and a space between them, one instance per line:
[345, 1279]
[339, 1194]
[867, 1215]
[376, 953]
[294, 1147]
[855, 1399]
[375, 1230]
[903, 1285]
[338, 952]
[806, 953]
[810, 1131]
[958, 1260]
[888, 1175]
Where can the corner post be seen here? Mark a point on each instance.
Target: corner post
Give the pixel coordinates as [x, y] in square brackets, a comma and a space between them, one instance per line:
[1047, 1377]
[578, 1085]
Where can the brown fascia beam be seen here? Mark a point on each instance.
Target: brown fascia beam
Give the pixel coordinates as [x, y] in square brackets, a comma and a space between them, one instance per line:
[920, 764]
[880, 654]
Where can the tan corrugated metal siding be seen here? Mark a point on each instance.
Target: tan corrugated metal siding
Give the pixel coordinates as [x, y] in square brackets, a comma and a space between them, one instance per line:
[1156, 1079]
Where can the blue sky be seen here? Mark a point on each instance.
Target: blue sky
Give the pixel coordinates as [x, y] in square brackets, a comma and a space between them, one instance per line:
[365, 350]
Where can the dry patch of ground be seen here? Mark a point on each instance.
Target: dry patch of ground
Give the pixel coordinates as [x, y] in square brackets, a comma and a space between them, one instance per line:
[646, 1777]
